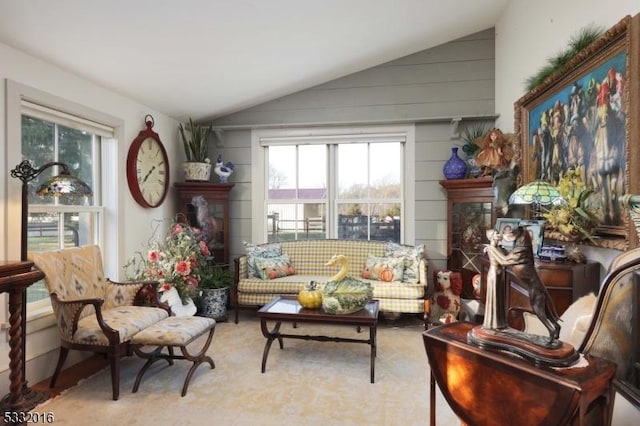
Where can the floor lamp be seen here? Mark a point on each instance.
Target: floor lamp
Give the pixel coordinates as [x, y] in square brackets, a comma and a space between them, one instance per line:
[21, 398]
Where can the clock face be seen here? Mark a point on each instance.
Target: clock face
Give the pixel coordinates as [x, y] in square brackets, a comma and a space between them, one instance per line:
[148, 169]
[151, 171]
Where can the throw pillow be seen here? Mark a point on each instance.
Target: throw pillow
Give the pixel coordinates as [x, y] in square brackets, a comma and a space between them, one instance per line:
[264, 251]
[383, 268]
[270, 268]
[411, 257]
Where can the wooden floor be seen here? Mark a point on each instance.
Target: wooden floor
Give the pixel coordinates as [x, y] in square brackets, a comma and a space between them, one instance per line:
[72, 375]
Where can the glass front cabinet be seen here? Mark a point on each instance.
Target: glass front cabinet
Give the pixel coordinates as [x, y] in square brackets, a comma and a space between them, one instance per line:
[470, 214]
[206, 206]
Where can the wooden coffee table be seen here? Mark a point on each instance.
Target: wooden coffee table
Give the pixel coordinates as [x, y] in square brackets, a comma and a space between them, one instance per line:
[287, 309]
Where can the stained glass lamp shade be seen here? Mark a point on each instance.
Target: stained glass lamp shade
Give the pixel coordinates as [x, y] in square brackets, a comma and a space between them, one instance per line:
[64, 185]
[537, 193]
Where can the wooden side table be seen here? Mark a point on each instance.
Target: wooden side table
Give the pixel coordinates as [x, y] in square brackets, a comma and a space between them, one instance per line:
[492, 387]
[15, 277]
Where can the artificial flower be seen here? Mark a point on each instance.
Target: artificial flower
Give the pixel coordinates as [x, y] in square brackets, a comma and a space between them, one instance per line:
[574, 218]
[177, 259]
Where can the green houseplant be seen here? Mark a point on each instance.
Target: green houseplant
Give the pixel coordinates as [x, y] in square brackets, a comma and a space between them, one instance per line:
[219, 276]
[214, 287]
[195, 140]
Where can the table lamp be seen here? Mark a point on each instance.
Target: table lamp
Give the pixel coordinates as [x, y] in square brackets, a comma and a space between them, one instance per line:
[537, 193]
[21, 398]
[632, 202]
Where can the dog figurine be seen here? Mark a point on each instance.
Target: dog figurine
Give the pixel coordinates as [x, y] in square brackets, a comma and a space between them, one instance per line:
[521, 261]
[445, 302]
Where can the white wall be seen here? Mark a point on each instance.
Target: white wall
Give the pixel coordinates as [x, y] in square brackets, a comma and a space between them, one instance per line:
[526, 36]
[134, 221]
[529, 33]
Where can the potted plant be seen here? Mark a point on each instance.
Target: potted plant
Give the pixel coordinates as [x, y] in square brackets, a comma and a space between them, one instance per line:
[214, 292]
[196, 147]
[470, 138]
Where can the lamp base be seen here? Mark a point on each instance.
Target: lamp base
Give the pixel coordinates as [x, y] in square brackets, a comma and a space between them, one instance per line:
[30, 399]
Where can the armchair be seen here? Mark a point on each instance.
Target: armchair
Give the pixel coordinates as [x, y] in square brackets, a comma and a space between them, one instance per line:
[93, 313]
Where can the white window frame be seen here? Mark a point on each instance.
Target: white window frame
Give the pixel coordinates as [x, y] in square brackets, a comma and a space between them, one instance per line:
[298, 135]
[40, 314]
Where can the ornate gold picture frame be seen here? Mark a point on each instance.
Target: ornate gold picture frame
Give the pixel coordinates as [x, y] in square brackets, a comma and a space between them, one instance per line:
[586, 116]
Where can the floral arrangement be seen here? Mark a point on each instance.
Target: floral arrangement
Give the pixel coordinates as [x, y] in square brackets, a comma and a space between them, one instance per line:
[574, 219]
[178, 260]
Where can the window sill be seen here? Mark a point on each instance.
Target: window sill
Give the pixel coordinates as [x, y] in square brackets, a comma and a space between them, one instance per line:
[40, 316]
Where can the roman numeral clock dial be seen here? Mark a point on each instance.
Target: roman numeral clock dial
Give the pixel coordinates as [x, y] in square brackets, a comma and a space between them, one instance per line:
[148, 168]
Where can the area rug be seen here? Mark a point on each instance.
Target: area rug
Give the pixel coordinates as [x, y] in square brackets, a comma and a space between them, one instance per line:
[308, 382]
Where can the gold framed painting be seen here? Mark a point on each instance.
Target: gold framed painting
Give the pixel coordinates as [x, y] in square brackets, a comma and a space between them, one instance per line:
[585, 116]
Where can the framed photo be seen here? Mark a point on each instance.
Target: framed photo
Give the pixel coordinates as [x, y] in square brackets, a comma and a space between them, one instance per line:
[536, 231]
[505, 227]
[585, 117]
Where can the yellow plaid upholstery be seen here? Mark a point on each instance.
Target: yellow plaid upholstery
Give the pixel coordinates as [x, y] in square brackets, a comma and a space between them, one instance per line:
[309, 258]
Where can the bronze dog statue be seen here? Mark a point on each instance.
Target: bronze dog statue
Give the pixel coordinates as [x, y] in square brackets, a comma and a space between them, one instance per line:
[521, 261]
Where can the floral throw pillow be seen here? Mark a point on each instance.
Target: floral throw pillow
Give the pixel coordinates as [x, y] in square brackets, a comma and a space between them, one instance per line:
[411, 257]
[270, 268]
[263, 251]
[383, 269]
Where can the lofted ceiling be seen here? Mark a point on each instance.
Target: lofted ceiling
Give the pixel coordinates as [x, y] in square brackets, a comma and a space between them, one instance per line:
[208, 58]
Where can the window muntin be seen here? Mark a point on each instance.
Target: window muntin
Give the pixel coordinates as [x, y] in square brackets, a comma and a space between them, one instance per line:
[367, 178]
[55, 223]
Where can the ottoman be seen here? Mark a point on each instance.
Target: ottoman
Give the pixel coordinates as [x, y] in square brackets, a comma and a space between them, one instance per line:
[170, 333]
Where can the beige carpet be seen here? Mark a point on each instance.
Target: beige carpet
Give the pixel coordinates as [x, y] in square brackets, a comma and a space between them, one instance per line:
[311, 383]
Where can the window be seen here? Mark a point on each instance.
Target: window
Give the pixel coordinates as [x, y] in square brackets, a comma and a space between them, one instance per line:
[297, 199]
[50, 135]
[334, 183]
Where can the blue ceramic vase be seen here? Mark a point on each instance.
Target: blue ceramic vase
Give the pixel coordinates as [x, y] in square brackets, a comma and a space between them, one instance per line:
[455, 167]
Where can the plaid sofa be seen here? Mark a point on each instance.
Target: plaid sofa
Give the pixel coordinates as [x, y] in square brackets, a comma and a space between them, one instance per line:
[309, 258]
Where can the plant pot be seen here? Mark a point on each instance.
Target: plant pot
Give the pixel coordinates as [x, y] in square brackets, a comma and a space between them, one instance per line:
[197, 172]
[213, 303]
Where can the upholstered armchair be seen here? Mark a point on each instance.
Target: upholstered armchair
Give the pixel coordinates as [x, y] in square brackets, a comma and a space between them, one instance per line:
[93, 313]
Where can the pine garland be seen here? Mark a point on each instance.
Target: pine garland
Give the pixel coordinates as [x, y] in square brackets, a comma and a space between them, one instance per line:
[577, 42]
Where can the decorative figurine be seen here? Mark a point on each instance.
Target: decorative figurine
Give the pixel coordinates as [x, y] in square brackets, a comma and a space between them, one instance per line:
[523, 267]
[223, 170]
[495, 152]
[445, 302]
[495, 333]
[204, 220]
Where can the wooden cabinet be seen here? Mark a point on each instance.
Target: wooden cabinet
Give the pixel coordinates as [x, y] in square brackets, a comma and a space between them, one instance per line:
[206, 205]
[565, 281]
[470, 213]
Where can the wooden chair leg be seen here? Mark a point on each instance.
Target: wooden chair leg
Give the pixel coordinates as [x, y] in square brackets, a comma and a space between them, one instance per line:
[115, 374]
[62, 357]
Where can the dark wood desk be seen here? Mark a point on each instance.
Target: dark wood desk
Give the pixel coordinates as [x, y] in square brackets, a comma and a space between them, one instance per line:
[489, 387]
[15, 277]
